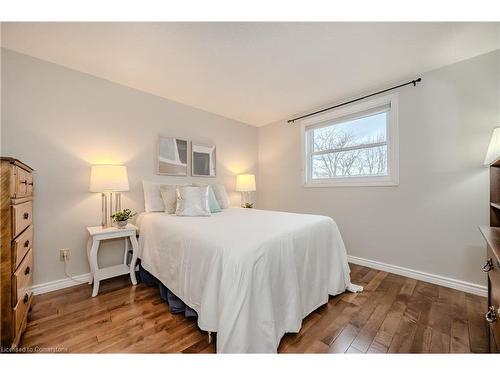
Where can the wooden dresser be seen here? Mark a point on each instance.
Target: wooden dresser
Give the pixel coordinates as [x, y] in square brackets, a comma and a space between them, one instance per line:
[492, 264]
[16, 187]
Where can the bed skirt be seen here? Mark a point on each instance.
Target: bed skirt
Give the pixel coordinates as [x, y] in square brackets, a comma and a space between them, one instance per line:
[175, 304]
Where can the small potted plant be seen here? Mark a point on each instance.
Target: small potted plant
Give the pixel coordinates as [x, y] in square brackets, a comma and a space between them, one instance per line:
[121, 217]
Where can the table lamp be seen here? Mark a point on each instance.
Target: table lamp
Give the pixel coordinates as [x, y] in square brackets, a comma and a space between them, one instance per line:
[493, 153]
[109, 179]
[245, 183]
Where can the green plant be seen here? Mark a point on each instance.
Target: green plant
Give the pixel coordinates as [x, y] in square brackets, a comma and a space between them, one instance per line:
[123, 215]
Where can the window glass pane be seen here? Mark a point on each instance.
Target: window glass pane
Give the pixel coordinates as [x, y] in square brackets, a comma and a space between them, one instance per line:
[370, 161]
[362, 131]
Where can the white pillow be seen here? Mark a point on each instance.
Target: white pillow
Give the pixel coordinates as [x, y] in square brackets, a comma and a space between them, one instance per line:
[152, 197]
[169, 197]
[192, 201]
[221, 195]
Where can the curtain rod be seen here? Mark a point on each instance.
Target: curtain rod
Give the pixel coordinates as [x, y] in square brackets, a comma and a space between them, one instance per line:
[414, 83]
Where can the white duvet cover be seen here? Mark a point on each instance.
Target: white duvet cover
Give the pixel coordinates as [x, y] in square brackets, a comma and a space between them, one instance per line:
[251, 275]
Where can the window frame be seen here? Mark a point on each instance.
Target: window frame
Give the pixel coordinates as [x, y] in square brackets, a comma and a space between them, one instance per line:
[392, 139]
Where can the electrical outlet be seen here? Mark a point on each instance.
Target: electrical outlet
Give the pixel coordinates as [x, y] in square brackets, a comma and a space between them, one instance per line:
[64, 255]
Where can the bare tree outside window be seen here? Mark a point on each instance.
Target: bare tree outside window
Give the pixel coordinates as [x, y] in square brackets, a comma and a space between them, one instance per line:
[354, 148]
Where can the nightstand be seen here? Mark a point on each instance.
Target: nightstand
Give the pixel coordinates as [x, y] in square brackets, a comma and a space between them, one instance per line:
[98, 234]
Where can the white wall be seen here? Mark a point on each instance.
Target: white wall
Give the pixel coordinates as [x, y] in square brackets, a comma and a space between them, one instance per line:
[60, 121]
[429, 222]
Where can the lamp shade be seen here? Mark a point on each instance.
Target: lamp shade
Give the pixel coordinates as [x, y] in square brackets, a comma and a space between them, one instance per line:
[108, 178]
[245, 182]
[493, 153]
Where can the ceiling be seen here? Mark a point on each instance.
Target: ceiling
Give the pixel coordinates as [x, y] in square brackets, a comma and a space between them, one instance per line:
[256, 73]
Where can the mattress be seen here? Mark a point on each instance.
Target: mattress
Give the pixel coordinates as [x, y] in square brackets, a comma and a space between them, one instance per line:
[250, 275]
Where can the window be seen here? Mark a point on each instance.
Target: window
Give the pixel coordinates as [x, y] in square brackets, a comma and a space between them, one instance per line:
[353, 146]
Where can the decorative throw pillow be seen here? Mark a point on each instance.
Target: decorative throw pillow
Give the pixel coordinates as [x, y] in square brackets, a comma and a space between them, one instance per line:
[153, 200]
[221, 195]
[152, 197]
[192, 201]
[169, 196]
[213, 203]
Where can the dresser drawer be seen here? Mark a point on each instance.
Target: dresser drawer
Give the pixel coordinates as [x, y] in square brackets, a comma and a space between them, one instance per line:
[22, 279]
[20, 315]
[494, 299]
[20, 246]
[23, 183]
[22, 217]
[29, 185]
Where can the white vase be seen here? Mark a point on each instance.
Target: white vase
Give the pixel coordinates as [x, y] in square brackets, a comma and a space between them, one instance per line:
[121, 224]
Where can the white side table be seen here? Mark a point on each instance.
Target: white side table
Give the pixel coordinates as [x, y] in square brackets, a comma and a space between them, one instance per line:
[98, 234]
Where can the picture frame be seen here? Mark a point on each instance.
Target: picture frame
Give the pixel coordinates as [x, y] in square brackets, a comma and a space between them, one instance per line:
[203, 159]
[172, 156]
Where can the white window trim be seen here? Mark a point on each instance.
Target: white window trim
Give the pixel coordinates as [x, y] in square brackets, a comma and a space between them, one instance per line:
[392, 179]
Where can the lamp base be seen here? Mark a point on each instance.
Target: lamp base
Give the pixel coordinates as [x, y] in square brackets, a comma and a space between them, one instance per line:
[104, 210]
[107, 208]
[245, 200]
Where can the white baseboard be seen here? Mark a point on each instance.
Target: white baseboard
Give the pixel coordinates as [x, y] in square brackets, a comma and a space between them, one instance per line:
[60, 284]
[463, 286]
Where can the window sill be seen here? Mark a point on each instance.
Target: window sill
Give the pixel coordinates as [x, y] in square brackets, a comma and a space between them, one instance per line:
[327, 184]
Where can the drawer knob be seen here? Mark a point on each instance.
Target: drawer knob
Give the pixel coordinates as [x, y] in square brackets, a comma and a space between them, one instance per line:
[30, 183]
[23, 182]
[26, 215]
[27, 270]
[26, 298]
[488, 266]
[491, 315]
[26, 243]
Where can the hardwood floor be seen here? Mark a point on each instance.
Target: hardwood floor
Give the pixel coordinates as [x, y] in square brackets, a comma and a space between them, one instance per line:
[394, 314]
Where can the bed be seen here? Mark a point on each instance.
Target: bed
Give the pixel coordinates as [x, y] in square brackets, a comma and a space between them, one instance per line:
[251, 275]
